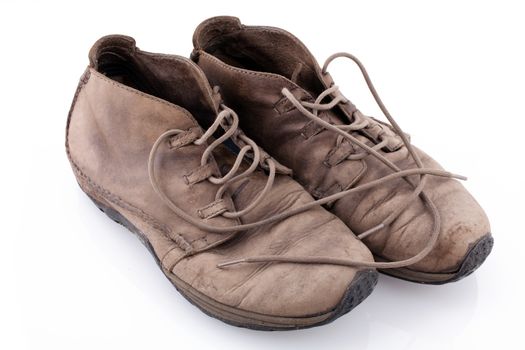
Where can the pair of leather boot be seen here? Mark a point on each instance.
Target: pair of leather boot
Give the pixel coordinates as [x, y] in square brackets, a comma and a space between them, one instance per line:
[267, 197]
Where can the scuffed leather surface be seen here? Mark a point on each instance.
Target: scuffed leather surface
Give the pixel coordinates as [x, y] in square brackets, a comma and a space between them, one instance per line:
[111, 133]
[111, 130]
[463, 222]
[316, 160]
[280, 289]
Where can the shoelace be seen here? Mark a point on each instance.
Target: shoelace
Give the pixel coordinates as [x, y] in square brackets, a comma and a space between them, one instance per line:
[229, 121]
[360, 122]
[342, 131]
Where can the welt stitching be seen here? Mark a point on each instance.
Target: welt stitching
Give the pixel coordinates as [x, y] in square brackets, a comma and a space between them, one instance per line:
[119, 201]
[84, 79]
[106, 194]
[179, 240]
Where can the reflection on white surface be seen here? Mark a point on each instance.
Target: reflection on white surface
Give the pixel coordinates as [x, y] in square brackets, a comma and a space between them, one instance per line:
[114, 288]
[398, 314]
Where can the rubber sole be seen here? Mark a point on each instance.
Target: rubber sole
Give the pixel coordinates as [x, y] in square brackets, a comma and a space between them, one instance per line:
[475, 256]
[358, 290]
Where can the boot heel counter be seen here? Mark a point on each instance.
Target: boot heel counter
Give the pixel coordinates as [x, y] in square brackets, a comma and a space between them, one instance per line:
[82, 82]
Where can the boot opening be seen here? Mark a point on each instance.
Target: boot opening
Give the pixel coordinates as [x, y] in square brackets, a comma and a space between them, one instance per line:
[171, 78]
[261, 49]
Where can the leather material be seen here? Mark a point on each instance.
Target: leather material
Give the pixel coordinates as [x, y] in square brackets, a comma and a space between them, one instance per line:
[112, 127]
[281, 289]
[252, 65]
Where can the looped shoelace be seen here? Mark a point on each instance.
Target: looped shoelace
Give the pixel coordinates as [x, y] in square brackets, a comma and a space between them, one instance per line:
[360, 122]
[229, 121]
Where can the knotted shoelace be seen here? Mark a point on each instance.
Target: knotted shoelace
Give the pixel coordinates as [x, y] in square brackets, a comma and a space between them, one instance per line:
[229, 121]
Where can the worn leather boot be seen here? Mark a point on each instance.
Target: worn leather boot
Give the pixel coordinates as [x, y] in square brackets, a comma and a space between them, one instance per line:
[419, 222]
[137, 147]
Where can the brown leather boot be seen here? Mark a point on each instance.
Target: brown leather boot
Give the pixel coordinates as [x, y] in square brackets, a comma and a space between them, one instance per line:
[137, 148]
[418, 221]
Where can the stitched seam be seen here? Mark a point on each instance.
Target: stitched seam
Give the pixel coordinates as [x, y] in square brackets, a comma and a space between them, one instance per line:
[310, 129]
[111, 197]
[280, 105]
[215, 212]
[99, 189]
[305, 128]
[183, 139]
[333, 158]
[290, 84]
[212, 204]
[172, 265]
[181, 242]
[142, 94]
[328, 159]
[216, 207]
[83, 81]
[119, 201]
[204, 238]
[197, 241]
[199, 174]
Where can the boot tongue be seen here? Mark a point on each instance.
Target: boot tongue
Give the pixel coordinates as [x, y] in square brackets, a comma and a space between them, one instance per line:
[186, 85]
[296, 73]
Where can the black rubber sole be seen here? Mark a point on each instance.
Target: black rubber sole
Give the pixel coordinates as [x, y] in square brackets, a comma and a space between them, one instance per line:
[473, 259]
[358, 290]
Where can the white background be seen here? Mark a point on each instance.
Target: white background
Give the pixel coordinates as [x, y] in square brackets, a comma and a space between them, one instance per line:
[452, 74]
